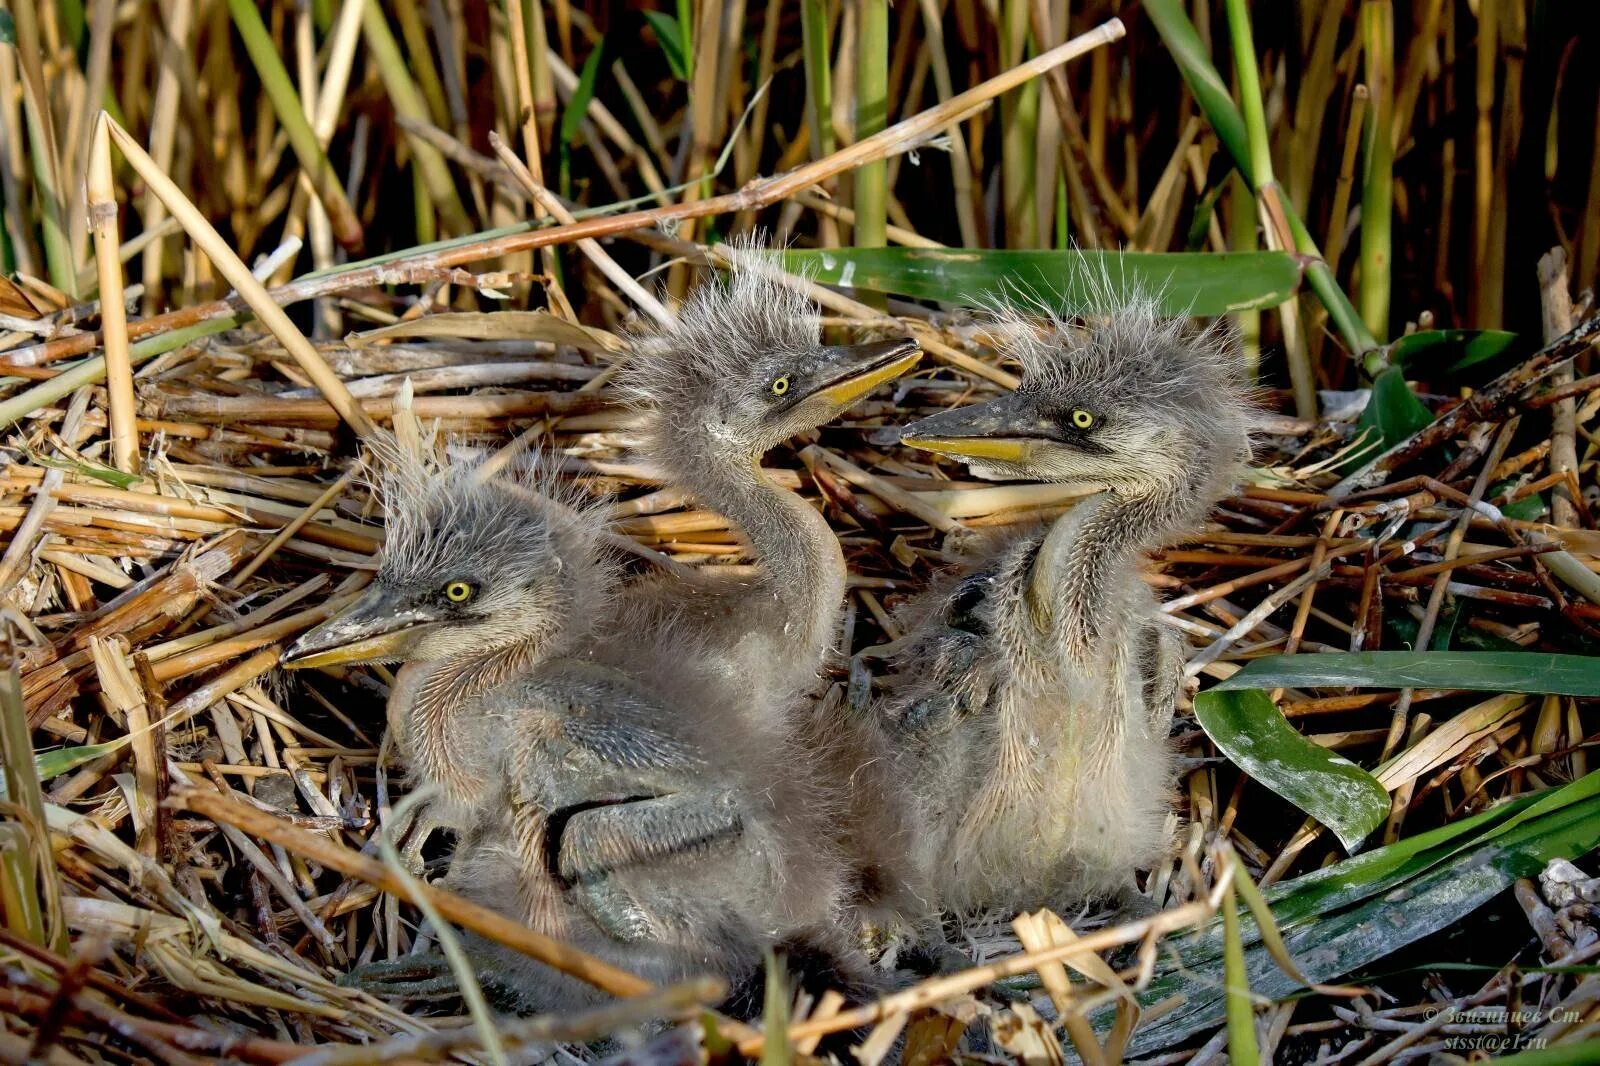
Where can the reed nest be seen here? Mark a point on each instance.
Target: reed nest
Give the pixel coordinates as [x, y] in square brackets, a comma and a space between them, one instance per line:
[200, 862]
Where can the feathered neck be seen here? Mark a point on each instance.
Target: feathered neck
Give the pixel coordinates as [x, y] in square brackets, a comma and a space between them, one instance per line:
[802, 569]
[436, 741]
[1087, 551]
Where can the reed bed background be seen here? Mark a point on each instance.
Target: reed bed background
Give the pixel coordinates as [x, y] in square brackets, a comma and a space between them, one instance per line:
[238, 235]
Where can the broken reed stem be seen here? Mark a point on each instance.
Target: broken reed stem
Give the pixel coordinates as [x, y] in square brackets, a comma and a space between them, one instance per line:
[552, 205]
[252, 291]
[295, 524]
[936, 989]
[90, 371]
[426, 265]
[102, 197]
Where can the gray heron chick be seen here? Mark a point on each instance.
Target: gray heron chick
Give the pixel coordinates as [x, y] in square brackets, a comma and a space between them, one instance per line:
[479, 580]
[1033, 703]
[742, 370]
[608, 792]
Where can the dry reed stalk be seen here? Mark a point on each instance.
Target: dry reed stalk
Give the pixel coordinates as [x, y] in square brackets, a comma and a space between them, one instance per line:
[102, 197]
[238, 275]
[897, 138]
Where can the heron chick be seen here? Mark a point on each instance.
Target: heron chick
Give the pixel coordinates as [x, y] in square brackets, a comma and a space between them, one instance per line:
[1033, 703]
[607, 793]
[480, 579]
[742, 370]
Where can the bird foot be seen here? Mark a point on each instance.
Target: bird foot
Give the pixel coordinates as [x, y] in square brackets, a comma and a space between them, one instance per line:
[413, 977]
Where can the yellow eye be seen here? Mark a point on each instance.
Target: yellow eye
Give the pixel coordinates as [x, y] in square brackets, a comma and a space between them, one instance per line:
[1082, 419]
[458, 592]
[780, 386]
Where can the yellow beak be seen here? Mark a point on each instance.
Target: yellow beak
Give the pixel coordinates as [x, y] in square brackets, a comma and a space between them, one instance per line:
[1008, 449]
[846, 392]
[376, 648]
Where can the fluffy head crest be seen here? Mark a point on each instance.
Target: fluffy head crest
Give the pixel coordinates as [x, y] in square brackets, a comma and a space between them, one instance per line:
[451, 519]
[1130, 355]
[732, 324]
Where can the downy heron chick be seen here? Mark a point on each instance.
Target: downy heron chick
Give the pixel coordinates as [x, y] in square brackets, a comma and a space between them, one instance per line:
[480, 579]
[618, 802]
[1035, 701]
[742, 370]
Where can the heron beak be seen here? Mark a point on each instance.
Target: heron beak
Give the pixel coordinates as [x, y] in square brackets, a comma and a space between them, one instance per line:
[376, 628]
[863, 367]
[1009, 429]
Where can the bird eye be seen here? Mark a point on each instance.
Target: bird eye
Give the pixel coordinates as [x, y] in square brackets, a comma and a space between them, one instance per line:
[780, 386]
[1082, 419]
[459, 591]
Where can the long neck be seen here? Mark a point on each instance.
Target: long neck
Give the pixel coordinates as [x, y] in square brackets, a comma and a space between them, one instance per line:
[434, 733]
[802, 567]
[1074, 583]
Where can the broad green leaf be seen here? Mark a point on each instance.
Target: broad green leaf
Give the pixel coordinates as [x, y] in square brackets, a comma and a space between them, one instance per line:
[1536, 672]
[1527, 509]
[1186, 283]
[1392, 414]
[1384, 901]
[1252, 732]
[670, 34]
[1427, 348]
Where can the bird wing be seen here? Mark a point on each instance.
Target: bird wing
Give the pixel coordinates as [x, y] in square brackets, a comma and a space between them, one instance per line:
[608, 714]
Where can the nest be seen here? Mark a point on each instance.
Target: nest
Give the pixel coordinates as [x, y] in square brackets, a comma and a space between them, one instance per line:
[213, 823]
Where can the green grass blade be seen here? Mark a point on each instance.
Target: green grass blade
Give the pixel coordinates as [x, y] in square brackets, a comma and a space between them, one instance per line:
[572, 115]
[1242, 1045]
[1211, 92]
[1248, 728]
[670, 34]
[1188, 283]
[1535, 672]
